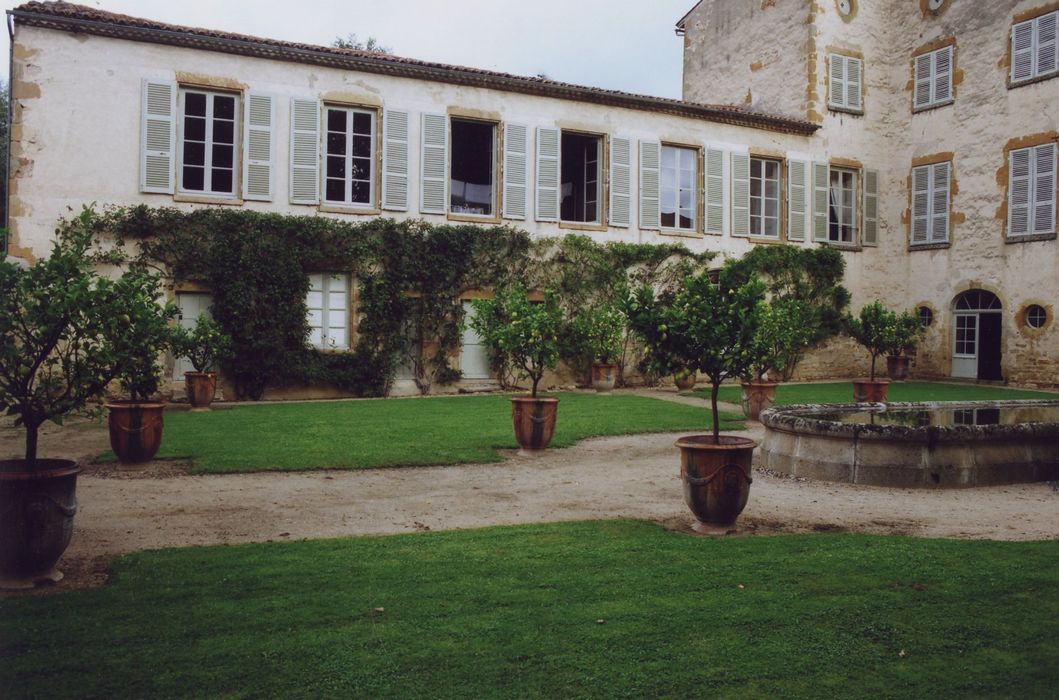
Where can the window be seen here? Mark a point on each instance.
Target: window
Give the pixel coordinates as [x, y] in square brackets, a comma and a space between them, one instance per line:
[579, 178]
[472, 169]
[1031, 191]
[844, 83]
[1033, 48]
[679, 204]
[328, 305]
[930, 203]
[207, 142]
[926, 316]
[842, 209]
[764, 197]
[933, 79]
[349, 175]
[1035, 316]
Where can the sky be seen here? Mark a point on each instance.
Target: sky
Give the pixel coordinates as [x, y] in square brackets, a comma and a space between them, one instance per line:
[616, 44]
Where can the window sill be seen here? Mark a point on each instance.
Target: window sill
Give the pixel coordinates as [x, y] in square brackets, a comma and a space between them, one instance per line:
[850, 247]
[846, 110]
[207, 199]
[338, 209]
[927, 108]
[679, 233]
[330, 351]
[1031, 81]
[579, 226]
[765, 240]
[474, 218]
[1030, 237]
[929, 246]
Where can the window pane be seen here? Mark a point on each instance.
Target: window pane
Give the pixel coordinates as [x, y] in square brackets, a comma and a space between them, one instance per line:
[772, 228]
[336, 144]
[193, 178]
[336, 166]
[223, 132]
[669, 157]
[685, 179]
[362, 146]
[222, 156]
[194, 154]
[361, 192]
[335, 190]
[195, 129]
[224, 107]
[361, 169]
[361, 123]
[221, 180]
[195, 103]
[669, 219]
[687, 221]
[772, 169]
[336, 120]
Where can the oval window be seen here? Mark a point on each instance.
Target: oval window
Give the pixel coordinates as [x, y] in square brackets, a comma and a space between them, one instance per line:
[926, 316]
[1036, 316]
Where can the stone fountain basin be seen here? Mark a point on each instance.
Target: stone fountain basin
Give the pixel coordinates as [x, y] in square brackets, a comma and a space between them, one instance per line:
[915, 445]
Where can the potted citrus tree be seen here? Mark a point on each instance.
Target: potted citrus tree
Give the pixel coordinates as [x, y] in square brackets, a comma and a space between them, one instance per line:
[203, 345]
[59, 323]
[906, 332]
[525, 336]
[710, 327]
[873, 328]
[599, 332]
[786, 329]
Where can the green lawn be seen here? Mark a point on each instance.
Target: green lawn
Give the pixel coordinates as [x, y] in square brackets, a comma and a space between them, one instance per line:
[599, 609]
[842, 392]
[399, 432]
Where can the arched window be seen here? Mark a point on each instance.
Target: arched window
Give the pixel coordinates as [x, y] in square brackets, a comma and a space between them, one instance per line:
[977, 300]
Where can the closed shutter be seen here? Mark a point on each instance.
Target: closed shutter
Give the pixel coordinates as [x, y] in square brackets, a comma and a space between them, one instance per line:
[942, 75]
[821, 201]
[395, 160]
[516, 161]
[1046, 55]
[920, 205]
[836, 80]
[304, 151]
[620, 182]
[1022, 54]
[1019, 192]
[158, 137]
[924, 80]
[650, 162]
[797, 199]
[939, 210]
[715, 191]
[854, 81]
[740, 194]
[434, 180]
[547, 174]
[260, 145]
[1044, 189]
[871, 207]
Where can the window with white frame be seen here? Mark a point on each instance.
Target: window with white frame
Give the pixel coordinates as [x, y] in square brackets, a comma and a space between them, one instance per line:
[764, 197]
[678, 204]
[580, 177]
[1033, 48]
[328, 307]
[349, 166]
[472, 170]
[207, 142]
[933, 79]
[930, 203]
[1031, 190]
[842, 206]
[844, 83]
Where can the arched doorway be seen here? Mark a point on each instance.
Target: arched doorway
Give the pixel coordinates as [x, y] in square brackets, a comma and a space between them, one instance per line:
[976, 336]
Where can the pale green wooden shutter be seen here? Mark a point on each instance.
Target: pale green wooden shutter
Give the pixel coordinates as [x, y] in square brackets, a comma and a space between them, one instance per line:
[620, 182]
[1019, 196]
[516, 160]
[836, 96]
[871, 207]
[939, 207]
[650, 163]
[920, 205]
[797, 199]
[259, 144]
[923, 80]
[434, 180]
[547, 199]
[1044, 188]
[158, 136]
[1045, 55]
[821, 202]
[1022, 53]
[854, 67]
[740, 194]
[715, 191]
[305, 151]
[942, 65]
[395, 160]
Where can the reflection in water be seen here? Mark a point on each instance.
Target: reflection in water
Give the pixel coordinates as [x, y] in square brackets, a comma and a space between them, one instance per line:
[945, 416]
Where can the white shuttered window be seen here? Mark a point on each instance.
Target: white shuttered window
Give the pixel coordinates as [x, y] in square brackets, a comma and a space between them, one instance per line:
[844, 81]
[933, 79]
[1033, 48]
[328, 306]
[1031, 190]
[930, 203]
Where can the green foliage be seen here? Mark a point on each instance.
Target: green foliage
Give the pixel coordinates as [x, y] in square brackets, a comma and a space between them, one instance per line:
[784, 333]
[350, 41]
[68, 331]
[202, 345]
[525, 335]
[907, 331]
[880, 330]
[596, 334]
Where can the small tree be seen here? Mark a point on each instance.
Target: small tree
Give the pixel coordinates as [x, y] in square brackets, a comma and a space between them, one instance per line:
[203, 345]
[786, 330]
[874, 329]
[905, 334]
[595, 334]
[525, 335]
[706, 325]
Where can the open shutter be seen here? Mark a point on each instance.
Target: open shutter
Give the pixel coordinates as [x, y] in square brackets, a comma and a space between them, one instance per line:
[854, 81]
[1044, 189]
[920, 204]
[158, 136]
[304, 151]
[620, 182]
[1019, 192]
[1022, 51]
[740, 194]
[516, 161]
[260, 115]
[924, 80]
[939, 208]
[395, 160]
[715, 191]
[836, 80]
[547, 204]
[650, 162]
[797, 199]
[871, 207]
[1046, 55]
[434, 187]
[942, 75]
[821, 201]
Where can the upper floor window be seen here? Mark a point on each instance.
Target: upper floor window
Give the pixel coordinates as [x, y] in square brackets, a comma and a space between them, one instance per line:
[678, 203]
[933, 78]
[207, 142]
[764, 197]
[349, 175]
[1033, 48]
[844, 83]
[930, 203]
[579, 178]
[1031, 190]
[842, 209]
[472, 169]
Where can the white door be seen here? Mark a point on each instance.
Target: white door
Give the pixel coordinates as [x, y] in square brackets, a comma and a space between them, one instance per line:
[965, 346]
[191, 306]
[474, 354]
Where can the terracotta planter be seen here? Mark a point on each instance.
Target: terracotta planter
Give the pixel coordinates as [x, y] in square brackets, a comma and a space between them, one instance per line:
[757, 396]
[36, 519]
[200, 388]
[534, 421]
[716, 478]
[897, 367]
[870, 390]
[135, 430]
[684, 383]
[604, 376]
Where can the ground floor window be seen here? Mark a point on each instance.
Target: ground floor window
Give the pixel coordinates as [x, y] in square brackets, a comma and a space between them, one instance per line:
[328, 307]
[579, 178]
[842, 212]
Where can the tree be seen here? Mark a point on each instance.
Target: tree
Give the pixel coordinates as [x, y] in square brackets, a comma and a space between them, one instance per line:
[351, 41]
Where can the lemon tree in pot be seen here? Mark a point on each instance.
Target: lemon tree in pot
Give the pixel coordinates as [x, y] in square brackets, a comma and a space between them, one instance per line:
[785, 330]
[525, 336]
[710, 327]
[878, 330]
[59, 325]
[905, 334]
[203, 345]
[598, 333]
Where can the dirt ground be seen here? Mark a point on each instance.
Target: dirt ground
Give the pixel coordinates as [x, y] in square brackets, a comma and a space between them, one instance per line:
[618, 477]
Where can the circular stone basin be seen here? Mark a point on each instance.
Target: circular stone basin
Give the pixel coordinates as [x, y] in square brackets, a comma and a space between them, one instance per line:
[915, 445]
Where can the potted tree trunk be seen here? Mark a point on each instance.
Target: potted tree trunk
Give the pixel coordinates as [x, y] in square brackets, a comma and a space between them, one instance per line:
[203, 346]
[708, 326]
[59, 325]
[525, 336]
[874, 330]
[906, 332]
[785, 330]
